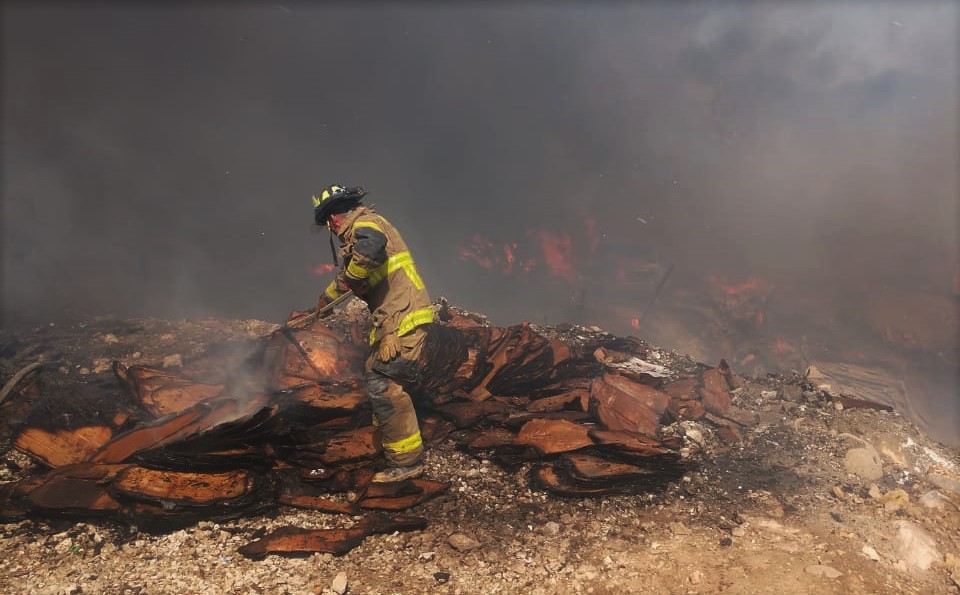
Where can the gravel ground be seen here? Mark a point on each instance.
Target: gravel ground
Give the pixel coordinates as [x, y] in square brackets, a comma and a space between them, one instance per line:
[791, 508]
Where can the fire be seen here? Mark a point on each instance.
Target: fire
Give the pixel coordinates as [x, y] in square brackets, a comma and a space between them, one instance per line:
[492, 256]
[751, 284]
[558, 253]
[323, 269]
[635, 322]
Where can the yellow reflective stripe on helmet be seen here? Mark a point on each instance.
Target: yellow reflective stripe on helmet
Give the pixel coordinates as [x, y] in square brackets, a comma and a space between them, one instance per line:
[397, 261]
[316, 201]
[402, 447]
[356, 271]
[415, 319]
[332, 292]
[367, 224]
[373, 335]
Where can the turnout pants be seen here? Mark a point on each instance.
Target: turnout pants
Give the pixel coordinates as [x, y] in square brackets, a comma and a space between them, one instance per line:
[393, 411]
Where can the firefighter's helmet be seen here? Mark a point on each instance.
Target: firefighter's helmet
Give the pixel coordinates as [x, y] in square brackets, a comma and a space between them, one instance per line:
[335, 199]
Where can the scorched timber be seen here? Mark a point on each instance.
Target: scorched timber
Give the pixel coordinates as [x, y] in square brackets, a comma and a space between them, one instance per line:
[285, 422]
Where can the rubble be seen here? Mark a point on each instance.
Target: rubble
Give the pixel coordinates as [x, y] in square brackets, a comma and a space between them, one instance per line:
[771, 487]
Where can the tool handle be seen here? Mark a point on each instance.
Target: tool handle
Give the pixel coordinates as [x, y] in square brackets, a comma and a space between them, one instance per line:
[312, 315]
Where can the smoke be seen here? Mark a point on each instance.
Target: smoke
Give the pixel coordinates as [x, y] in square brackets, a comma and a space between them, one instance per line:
[159, 159]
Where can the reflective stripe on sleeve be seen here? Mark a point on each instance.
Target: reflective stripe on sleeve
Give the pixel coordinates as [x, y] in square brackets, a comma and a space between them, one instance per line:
[356, 271]
[415, 319]
[397, 261]
[411, 321]
[332, 292]
[402, 447]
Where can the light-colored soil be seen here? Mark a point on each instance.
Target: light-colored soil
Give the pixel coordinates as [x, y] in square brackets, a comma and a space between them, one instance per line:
[778, 512]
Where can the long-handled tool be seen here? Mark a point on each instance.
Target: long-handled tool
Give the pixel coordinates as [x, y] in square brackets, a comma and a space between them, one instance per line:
[309, 316]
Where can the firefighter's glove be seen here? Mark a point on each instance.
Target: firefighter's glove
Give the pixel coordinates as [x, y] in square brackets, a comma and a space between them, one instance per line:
[323, 302]
[389, 347]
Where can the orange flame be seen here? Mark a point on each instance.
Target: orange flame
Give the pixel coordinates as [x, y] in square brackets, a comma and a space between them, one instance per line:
[558, 252]
[751, 284]
[635, 322]
[323, 269]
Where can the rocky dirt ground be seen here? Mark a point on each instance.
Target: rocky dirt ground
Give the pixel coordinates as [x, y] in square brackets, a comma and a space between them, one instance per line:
[813, 499]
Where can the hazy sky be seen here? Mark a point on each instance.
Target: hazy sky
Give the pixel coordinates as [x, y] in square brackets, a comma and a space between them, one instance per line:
[160, 157]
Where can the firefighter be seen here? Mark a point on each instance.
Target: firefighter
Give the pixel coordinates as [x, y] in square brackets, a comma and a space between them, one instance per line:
[378, 268]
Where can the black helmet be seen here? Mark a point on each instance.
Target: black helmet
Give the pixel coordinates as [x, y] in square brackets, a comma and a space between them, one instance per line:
[335, 199]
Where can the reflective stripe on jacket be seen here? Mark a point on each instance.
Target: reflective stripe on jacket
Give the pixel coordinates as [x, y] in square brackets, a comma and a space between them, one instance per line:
[378, 266]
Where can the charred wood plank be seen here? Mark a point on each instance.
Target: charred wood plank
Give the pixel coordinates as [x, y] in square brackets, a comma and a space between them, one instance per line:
[62, 447]
[553, 436]
[294, 540]
[420, 491]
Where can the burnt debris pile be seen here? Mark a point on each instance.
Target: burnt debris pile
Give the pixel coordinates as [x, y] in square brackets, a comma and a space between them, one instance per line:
[283, 421]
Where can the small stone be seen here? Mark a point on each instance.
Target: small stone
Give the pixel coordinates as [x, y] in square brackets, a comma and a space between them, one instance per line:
[339, 584]
[427, 556]
[945, 483]
[790, 392]
[110, 339]
[738, 532]
[874, 491]
[870, 553]
[838, 493]
[933, 500]
[695, 577]
[864, 463]
[462, 543]
[136, 355]
[84, 371]
[823, 570]
[695, 436]
[895, 500]
[726, 542]
[551, 528]
[172, 361]
[441, 577]
[916, 547]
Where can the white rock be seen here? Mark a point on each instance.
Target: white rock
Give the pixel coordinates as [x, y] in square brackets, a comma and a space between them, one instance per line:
[916, 547]
[110, 339]
[871, 553]
[823, 570]
[172, 361]
[551, 528]
[933, 499]
[339, 584]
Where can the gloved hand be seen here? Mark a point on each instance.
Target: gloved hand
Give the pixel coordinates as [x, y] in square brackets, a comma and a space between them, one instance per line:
[389, 347]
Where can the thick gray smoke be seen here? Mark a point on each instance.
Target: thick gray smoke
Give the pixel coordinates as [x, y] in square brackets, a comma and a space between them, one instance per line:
[159, 159]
